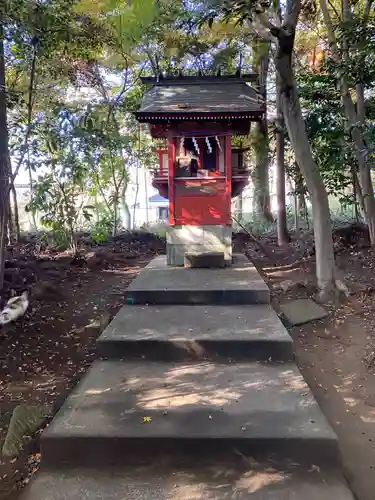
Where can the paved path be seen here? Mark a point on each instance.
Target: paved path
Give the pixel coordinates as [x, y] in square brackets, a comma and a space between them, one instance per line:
[192, 400]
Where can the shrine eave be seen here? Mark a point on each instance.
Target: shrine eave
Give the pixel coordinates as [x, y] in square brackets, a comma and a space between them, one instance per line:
[202, 79]
[208, 117]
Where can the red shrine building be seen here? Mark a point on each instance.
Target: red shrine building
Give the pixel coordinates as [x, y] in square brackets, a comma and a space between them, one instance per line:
[195, 120]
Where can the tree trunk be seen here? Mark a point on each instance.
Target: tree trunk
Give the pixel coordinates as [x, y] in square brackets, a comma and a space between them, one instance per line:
[300, 196]
[10, 228]
[16, 213]
[354, 118]
[240, 207]
[136, 195]
[261, 49]
[31, 199]
[357, 194]
[325, 260]
[125, 208]
[115, 213]
[362, 156]
[296, 215]
[282, 227]
[4, 160]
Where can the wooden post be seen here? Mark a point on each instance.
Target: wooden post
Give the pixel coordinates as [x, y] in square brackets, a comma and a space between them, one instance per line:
[228, 174]
[161, 162]
[171, 181]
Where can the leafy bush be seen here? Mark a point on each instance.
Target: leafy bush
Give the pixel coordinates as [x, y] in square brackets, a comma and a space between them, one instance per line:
[101, 228]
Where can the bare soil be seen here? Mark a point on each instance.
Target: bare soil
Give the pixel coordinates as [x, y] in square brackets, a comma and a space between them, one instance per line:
[45, 353]
[336, 355]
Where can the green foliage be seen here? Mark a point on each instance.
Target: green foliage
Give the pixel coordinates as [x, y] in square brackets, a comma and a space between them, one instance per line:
[111, 142]
[357, 62]
[329, 134]
[102, 227]
[59, 202]
[330, 144]
[255, 223]
[242, 11]
[25, 421]
[64, 43]
[60, 194]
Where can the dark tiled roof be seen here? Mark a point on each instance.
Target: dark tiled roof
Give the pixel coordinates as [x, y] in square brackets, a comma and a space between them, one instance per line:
[201, 97]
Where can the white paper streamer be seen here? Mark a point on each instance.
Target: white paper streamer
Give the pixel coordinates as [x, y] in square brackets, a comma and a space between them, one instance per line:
[182, 142]
[218, 142]
[209, 147]
[195, 145]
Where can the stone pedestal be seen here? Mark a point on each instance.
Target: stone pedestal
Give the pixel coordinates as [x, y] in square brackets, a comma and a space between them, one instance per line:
[205, 260]
[198, 239]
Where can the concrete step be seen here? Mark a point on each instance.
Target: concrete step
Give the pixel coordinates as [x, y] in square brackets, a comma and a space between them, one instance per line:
[200, 332]
[158, 283]
[220, 482]
[127, 412]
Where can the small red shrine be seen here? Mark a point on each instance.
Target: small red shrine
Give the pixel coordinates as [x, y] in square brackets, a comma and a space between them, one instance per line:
[199, 171]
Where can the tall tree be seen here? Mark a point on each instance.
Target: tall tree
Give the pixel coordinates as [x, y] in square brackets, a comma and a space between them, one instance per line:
[349, 50]
[256, 15]
[260, 142]
[282, 228]
[4, 158]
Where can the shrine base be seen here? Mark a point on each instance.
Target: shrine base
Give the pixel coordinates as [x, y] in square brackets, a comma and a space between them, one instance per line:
[181, 239]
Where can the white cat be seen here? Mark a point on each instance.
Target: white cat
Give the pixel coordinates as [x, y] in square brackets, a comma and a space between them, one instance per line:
[14, 309]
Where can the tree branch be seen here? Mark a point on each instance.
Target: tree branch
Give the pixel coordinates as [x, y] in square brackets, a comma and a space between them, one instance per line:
[334, 9]
[293, 9]
[29, 115]
[329, 26]
[275, 30]
[367, 11]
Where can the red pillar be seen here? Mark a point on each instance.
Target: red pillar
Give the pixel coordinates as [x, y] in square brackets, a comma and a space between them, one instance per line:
[171, 190]
[228, 175]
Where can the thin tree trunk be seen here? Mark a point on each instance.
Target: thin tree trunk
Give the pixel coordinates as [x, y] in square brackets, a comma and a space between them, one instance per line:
[325, 261]
[300, 196]
[261, 50]
[16, 213]
[357, 194]
[115, 210]
[361, 107]
[31, 186]
[29, 120]
[361, 113]
[240, 207]
[125, 207]
[10, 228]
[136, 194]
[282, 227]
[362, 156]
[353, 117]
[4, 160]
[296, 215]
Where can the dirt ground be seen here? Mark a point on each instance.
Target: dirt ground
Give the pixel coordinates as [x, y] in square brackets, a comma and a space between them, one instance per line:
[337, 355]
[44, 354]
[48, 351]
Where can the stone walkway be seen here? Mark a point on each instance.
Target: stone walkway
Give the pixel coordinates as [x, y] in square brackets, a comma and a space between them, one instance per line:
[192, 400]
